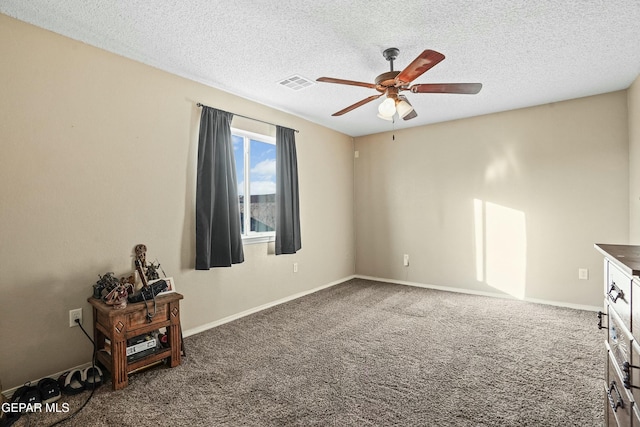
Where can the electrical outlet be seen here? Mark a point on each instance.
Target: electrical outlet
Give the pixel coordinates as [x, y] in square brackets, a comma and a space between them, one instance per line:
[405, 260]
[73, 315]
[295, 267]
[583, 273]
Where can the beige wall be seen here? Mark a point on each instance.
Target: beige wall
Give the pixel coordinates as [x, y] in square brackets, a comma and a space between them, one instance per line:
[634, 160]
[503, 203]
[98, 154]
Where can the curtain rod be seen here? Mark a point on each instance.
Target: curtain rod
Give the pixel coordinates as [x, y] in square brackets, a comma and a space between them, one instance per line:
[246, 117]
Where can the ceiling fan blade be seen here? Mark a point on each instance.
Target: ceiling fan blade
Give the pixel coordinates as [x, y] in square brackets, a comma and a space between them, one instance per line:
[468, 88]
[412, 114]
[345, 82]
[357, 104]
[425, 61]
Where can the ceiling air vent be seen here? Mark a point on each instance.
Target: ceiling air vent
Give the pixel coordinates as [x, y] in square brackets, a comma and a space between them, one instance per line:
[296, 82]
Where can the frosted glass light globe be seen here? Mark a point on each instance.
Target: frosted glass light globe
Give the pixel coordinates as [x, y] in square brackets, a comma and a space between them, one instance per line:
[404, 108]
[387, 108]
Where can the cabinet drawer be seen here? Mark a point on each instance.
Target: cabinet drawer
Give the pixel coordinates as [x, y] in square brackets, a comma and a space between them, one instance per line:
[631, 373]
[619, 405]
[619, 340]
[635, 308]
[138, 319]
[618, 293]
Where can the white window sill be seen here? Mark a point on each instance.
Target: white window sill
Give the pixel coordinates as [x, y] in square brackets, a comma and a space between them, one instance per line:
[258, 238]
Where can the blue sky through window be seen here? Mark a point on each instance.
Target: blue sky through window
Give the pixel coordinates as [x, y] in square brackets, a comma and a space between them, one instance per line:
[256, 164]
[262, 166]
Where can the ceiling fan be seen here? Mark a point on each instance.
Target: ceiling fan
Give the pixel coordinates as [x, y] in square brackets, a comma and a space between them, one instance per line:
[393, 82]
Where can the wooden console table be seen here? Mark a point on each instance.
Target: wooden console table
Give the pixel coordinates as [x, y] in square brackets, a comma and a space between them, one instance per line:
[119, 325]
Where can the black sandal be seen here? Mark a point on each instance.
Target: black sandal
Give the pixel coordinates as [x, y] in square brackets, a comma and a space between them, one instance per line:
[49, 390]
[27, 394]
[92, 377]
[71, 382]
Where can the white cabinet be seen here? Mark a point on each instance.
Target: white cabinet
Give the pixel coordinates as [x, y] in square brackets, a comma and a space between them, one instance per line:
[621, 318]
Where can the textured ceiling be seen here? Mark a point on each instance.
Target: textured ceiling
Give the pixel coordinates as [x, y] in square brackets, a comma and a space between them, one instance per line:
[524, 52]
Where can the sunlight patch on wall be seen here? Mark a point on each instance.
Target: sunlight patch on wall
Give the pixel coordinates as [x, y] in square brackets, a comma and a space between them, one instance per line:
[501, 247]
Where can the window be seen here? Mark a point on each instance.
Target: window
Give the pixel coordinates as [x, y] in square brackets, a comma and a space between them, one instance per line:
[256, 169]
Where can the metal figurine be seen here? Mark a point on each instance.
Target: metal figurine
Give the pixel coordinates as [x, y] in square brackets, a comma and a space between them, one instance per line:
[152, 271]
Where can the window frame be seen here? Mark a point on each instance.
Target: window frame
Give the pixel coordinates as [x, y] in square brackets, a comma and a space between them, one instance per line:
[251, 237]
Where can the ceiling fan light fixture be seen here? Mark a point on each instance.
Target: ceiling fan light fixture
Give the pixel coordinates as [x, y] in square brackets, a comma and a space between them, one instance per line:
[388, 118]
[403, 108]
[387, 108]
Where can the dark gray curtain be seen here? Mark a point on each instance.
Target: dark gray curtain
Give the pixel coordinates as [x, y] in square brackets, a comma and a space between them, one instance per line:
[218, 232]
[287, 206]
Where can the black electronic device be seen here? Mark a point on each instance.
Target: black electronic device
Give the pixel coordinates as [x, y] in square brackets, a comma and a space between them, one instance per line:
[149, 292]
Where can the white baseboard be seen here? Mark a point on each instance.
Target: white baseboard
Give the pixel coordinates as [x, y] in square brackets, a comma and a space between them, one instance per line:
[237, 316]
[483, 293]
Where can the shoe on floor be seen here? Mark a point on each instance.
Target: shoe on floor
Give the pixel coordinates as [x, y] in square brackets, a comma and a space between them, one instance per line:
[27, 394]
[49, 390]
[71, 382]
[92, 377]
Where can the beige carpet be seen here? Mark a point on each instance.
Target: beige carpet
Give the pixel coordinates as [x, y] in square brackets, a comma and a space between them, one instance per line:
[364, 353]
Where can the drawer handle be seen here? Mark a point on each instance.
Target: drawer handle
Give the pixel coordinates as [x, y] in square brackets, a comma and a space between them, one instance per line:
[626, 368]
[619, 293]
[600, 315]
[615, 405]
